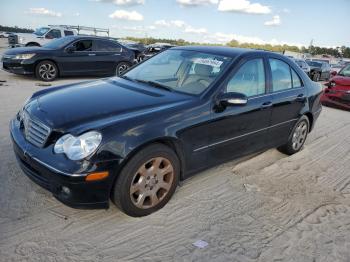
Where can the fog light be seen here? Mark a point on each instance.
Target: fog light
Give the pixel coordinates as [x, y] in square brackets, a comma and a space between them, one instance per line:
[65, 190]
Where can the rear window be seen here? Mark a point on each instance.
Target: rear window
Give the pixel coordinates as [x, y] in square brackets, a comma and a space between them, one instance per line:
[108, 46]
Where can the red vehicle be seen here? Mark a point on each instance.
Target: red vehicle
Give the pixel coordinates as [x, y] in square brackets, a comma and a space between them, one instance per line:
[337, 93]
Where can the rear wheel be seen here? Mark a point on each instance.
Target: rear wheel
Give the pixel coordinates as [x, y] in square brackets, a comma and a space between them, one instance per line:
[46, 71]
[297, 137]
[147, 181]
[121, 68]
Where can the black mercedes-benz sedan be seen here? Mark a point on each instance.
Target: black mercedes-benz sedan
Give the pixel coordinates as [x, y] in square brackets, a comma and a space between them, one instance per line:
[70, 55]
[132, 138]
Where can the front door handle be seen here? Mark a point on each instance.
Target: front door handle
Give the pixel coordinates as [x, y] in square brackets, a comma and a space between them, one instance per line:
[91, 54]
[266, 105]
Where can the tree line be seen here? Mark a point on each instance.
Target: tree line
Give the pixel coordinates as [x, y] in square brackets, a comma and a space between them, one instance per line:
[341, 51]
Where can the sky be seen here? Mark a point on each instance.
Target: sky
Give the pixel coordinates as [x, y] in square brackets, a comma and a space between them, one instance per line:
[294, 22]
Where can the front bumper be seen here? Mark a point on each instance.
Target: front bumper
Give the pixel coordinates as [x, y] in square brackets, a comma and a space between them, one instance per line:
[17, 66]
[37, 164]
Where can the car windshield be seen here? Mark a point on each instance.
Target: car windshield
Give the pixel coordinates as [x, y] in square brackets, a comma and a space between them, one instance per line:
[185, 71]
[312, 63]
[59, 42]
[345, 71]
[41, 31]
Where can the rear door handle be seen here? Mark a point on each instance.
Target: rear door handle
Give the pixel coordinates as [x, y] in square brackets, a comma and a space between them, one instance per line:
[91, 54]
[300, 98]
[266, 105]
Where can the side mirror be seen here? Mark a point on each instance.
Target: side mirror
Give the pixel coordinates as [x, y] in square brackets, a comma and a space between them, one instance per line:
[333, 73]
[70, 49]
[233, 99]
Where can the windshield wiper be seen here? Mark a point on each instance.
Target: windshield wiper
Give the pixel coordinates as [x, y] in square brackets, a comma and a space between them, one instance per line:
[154, 84]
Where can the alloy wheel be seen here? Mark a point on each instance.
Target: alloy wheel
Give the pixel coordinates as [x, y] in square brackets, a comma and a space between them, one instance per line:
[299, 135]
[121, 68]
[152, 182]
[47, 71]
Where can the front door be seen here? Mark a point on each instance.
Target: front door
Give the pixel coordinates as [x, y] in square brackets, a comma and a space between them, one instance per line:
[240, 130]
[80, 60]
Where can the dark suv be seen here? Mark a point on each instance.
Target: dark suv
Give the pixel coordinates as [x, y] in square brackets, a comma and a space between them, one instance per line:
[133, 138]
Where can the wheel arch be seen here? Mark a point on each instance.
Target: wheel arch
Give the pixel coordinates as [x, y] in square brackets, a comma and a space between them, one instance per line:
[171, 142]
[311, 119]
[33, 44]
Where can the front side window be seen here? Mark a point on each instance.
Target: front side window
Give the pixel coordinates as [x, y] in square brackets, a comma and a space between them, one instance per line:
[83, 45]
[107, 46]
[281, 77]
[249, 79]
[185, 71]
[54, 33]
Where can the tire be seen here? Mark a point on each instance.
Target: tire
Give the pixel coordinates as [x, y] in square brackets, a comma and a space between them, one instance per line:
[142, 187]
[121, 68]
[316, 77]
[46, 71]
[297, 137]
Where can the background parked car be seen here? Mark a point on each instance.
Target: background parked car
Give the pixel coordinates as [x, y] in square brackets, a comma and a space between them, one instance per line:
[337, 93]
[319, 70]
[4, 34]
[71, 55]
[303, 65]
[138, 48]
[336, 67]
[154, 49]
[40, 37]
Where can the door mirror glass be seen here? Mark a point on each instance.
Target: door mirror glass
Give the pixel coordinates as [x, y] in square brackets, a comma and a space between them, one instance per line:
[233, 99]
[333, 73]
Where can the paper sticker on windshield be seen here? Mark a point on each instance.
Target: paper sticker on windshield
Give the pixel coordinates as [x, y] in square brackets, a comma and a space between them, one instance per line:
[208, 61]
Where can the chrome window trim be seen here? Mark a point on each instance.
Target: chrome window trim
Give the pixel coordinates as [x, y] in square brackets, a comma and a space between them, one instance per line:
[276, 92]
[247, 134]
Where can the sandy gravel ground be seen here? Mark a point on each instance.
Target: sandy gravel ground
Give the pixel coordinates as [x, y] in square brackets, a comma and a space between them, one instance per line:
[268, 208]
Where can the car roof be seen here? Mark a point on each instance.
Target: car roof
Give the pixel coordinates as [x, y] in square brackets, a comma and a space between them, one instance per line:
[223, 50]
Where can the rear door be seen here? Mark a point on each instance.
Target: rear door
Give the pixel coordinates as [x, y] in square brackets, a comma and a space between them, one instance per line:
[289, 98]
[80, 61]
[108, 54]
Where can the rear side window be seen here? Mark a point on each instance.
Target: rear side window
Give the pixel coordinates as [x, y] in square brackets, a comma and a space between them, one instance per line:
[107, 46]
[281, 77]
[66, 32]
[249, 79]
[296, 79]
[83, 45]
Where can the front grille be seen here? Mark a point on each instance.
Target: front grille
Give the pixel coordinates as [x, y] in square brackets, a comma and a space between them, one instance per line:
[35, 132]
[12, 39]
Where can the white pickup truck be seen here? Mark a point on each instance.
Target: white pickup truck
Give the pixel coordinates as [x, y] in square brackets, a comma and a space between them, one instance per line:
[40, 37]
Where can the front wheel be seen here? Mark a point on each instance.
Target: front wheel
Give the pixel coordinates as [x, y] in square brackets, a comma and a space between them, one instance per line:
[147, 181]
[46, 71]
[121, 68]
[297, 137]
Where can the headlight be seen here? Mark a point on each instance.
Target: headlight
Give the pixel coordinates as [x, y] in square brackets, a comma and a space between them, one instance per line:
[24, 56]
[77, 148]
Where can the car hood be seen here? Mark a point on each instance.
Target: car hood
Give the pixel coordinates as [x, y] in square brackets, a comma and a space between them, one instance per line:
[341, 80]
[74, 105]
[26, 50]
[314, 67]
